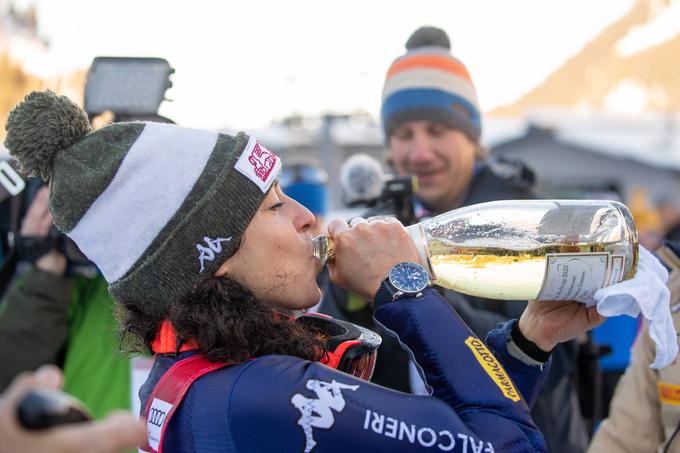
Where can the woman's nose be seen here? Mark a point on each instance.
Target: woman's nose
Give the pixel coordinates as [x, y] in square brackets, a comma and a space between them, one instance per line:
[304, 219]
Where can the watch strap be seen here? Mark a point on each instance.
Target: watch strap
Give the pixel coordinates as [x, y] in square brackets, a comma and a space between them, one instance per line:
[388, 292]
[385, 294]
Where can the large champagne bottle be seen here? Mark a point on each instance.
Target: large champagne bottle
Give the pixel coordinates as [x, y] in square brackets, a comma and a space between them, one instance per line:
[526, 249]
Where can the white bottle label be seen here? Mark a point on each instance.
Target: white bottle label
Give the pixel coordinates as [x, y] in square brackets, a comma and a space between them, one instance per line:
[576, 276]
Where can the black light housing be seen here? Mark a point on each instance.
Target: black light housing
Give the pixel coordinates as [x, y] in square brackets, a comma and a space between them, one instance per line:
[127, 86]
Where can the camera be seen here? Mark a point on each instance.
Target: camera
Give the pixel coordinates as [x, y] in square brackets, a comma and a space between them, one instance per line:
[365, 184]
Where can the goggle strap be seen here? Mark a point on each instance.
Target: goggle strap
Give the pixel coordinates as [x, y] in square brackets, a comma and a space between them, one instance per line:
[166, 341]
[333, 358]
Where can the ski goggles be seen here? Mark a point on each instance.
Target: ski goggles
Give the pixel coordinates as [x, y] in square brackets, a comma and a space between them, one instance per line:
[349, 348]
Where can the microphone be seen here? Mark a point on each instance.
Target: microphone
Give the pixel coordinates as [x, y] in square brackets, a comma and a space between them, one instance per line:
[362, 179]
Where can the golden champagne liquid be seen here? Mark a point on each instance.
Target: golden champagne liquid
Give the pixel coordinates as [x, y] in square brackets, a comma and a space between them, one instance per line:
[520, 275]
[495, 277]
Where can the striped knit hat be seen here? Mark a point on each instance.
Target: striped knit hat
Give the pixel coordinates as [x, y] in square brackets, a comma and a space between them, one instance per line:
[428, 83]
[156, 207]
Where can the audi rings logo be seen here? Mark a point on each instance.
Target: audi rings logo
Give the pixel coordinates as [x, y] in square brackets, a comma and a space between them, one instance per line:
[158, 414]
[156, 417]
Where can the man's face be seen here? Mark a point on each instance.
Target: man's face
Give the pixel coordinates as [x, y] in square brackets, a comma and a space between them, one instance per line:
[442, 158]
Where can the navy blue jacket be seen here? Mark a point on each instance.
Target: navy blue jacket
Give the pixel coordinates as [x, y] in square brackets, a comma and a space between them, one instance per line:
[283, 403]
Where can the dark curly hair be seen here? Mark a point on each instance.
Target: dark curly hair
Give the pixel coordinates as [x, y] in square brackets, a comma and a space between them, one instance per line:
[227, 322]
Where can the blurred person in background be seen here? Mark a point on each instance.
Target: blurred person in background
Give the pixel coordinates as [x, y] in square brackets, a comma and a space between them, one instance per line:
[647, 217]
[117, 432]
[58, 311]
[51, 315]
[432, 125]
[669, 210]
[644, 415]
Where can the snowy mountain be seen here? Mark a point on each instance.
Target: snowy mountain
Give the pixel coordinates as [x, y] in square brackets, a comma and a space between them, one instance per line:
[631, 67]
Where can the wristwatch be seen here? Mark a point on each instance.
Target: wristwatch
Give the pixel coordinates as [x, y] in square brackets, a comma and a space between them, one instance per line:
[403, 280]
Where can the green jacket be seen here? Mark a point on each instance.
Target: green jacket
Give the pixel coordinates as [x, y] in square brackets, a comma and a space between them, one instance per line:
[67, 321]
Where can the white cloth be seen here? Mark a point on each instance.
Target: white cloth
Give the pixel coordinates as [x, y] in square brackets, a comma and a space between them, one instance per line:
[645, 293]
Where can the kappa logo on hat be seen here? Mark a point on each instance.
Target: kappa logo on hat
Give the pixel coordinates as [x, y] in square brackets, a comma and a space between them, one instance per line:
[259, 164]
[208, 253]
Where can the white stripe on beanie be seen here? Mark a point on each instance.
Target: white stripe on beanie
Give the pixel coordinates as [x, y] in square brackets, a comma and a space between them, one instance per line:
[158, 172]
[430, 78]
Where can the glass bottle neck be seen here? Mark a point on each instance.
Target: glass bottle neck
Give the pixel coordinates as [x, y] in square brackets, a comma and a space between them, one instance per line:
[417, 234]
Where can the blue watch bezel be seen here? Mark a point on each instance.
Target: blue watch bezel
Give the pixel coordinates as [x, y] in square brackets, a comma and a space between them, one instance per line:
[388, 292]
[394, 277]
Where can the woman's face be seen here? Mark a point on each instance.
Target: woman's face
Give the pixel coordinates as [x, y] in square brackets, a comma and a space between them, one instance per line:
[275, 258]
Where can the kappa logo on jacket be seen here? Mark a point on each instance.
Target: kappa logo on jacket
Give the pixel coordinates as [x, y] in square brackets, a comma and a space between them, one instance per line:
[318, 412]
[214, 246]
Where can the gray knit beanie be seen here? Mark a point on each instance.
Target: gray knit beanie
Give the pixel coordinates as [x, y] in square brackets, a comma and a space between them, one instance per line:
[156, 207]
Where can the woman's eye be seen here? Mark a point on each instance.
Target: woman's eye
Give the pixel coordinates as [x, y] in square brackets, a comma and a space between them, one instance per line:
[278, 205]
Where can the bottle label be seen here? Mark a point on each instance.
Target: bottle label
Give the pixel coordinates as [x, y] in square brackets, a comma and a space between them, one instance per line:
[617, 264]
[576, 276]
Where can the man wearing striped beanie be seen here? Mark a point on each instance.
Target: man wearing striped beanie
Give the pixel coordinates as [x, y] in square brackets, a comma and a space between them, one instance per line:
[432, 124]
[429, 83]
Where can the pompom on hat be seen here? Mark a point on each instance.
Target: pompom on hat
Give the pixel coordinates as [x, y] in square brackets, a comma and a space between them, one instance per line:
[429, 83]
[156, 207]
[62, 124]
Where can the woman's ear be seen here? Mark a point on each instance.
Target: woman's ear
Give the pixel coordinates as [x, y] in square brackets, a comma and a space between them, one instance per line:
[223, 270]
[231, 265]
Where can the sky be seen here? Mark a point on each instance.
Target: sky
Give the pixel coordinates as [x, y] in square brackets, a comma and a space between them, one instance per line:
[246, 64]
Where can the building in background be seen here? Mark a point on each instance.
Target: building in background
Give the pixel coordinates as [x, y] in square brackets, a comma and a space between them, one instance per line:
[574, 156]
[597, 156]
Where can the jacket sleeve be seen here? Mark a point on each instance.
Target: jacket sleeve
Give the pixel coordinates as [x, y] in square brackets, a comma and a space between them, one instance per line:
[33, 323]
[475, 407]
[634, 422]
[528, 379]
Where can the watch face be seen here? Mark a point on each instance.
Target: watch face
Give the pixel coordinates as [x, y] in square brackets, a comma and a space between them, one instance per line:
[409, 277]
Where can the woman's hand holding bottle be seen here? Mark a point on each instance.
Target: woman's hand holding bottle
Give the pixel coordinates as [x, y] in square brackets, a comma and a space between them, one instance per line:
[366, 250]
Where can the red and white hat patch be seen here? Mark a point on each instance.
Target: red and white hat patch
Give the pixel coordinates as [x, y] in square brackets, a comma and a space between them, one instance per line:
[259, 164]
